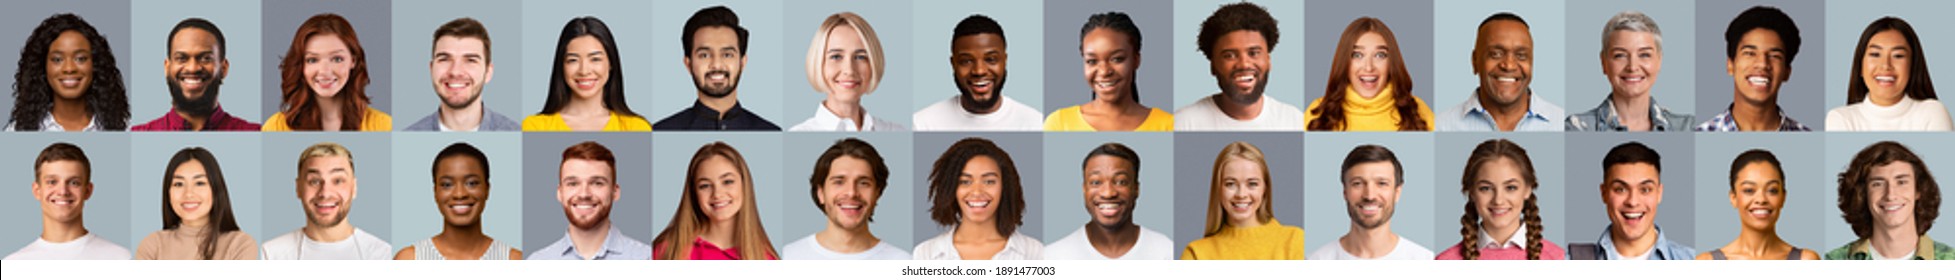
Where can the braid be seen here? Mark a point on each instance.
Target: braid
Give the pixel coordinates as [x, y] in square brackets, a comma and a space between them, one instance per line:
[1532, 220]
[1469, 232]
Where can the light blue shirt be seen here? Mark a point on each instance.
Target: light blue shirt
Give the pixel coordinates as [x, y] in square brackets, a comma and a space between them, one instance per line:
[616, 247]
[1469, 116]
[1664, 249]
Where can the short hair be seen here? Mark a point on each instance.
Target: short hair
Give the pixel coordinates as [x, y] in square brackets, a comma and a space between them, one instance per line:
[1370, 153]
[462, 149]
[1503, 16]
[1918, 85]
[820, 45]
[1853, 188]
[1768, 18]
[715, 16]
[1239, 16]
[977, 24]
[465, 28]
[200, 24]
[849, 147]
[591, 151]
[1113, 149]
[950, 165]
[1631, 21]
[63, 151]
[1632, 152]
[326, 149]
[1117, 22]
[1754, 156]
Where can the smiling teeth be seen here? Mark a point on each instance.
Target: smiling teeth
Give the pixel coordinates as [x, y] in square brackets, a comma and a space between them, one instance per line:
[1632, 79]
[1892, 208]
[1507, 79]
[1240, 205]
[981, 83]
[851, 207]
[1105, 84]
[1632, 215]
[1368, 79]
[456, 85]
[978, 204]
[1109, 206]
[1884, 78]
[1761, 212]
[1758, 80]
[584, 206]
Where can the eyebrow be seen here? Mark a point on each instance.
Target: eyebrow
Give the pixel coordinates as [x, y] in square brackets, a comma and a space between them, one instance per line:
[199, 175]
[338, 51]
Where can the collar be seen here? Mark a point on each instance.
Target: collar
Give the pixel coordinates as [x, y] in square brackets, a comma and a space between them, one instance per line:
[699, 110]
[612, 241]
[1726, 122]
[947, 248]
[1658, 121]
[824, 119]
[217, 116]
[1475, 111]
[48, 124]
[1518, 240]
[1658, 250]
[1923, 248]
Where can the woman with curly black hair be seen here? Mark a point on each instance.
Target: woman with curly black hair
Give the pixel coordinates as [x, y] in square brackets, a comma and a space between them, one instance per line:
[67, 80]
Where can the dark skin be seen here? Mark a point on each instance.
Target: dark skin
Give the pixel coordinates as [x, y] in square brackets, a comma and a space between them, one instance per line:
[1109, 67]
[978, 63]
[1113, 183]
[461, 189]
[1504, 59]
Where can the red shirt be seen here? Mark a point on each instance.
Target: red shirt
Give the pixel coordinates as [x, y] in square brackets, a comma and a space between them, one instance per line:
[702, 250]
[218, 121]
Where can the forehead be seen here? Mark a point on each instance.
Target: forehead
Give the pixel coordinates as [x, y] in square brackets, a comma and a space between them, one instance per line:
[452, 42]
[1108, 162]
[323, 163]
[848, 164]
[1632, 170]
[980, 164]
[980, 40]
[1505, 29]
[1105, 38]
[1760, 37]
[582, 166]
[1242, 37]
[1372, 168]
[467, 163]
[715, 35]
[1893, 169]
[325, 42]
[63, 167]
[189, 35]
[583, 43]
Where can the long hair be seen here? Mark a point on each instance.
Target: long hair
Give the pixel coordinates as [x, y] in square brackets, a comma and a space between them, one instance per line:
[221, 221]
[1853, 188]
[1117, 22]
[1469, 223]
[943, 184]
[1330, 114]
[614, 85]
[1918, 86]
[688, 221]
[300, 113]
[1218, 218]
[106, 97]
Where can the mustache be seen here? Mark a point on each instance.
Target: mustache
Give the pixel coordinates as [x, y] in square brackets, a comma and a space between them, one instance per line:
[719, 72]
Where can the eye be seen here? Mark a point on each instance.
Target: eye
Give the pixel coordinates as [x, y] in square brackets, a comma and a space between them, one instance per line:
[834, 57]
[338, 59]
[1645, 55]
[1382, 55]
[1091, 61]
[311, 60]
[1357, 55]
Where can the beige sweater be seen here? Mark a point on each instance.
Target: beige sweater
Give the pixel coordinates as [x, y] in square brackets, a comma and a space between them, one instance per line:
[185, 243]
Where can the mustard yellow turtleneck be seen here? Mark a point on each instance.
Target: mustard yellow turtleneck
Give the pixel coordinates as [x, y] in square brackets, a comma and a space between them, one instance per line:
[1371, 114]
[1270, 241]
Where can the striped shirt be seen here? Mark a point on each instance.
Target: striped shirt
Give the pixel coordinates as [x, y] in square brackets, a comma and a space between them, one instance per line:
[425, 250]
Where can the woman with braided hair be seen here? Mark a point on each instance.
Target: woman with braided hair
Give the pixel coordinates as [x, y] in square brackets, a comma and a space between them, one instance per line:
[1498, 178]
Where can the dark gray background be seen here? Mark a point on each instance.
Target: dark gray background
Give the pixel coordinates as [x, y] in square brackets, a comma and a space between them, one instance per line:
[1801, 96]
[373, 208]
[1543, 149]
[371, 20]
[108, 213]
[1410, 21]
[1588, 214]
[110, 18]
[1065, 80]
[799, 217]
[543, 219]
[1284, 153]
[413, 36]
[1025, 152]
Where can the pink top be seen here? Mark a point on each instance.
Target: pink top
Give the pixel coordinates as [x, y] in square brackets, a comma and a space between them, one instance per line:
[1549, 251]
[702, 250]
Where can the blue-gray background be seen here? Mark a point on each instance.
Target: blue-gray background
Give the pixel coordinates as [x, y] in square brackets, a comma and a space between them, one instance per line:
[1840, 148]
[1282, 151]
[1800, 222]
[1024, 36]
[372, 207]
[1411, 22]
[1589, 85]
[413, 185]
[800, 217]
[110, 18]
[1588, 214]
[890, 19]
[1801, 94]
[235, 152]
[1458, 33]
[1065, 77]
[371, 19]
[107, 213]
[239, 19]
[1846, 19]
[1543, 149]
[1065, 199]
[1193, 81]
[413, 36]
[760, 81]
[544, 20]
[675, 150]
[1324, 191]
[1025, 151]
[543, 219]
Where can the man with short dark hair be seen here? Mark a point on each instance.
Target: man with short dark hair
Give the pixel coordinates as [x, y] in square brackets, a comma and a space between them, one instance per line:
[716, 51]
[194, 68]
[1758, 50]
[1632, 188]
[1237, 40]
[1503, 57]
[62, 186]
[977, 63]
[460, 67]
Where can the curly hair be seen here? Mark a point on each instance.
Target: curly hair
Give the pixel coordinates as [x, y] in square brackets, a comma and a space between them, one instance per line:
[1469, 223]
[34, 98]
[943, 184]
[298, 98]
[1240, 16]
[1853, 188]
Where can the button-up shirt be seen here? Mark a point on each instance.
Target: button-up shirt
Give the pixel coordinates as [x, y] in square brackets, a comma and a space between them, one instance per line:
[1470, 116]
[825, 120]
[491, 121]
[1017, 247]
[1924, 249]
[1604, 118]
[1662, 250]
[1725, 122]
[218, 121]
[700, 117]
[616, 247]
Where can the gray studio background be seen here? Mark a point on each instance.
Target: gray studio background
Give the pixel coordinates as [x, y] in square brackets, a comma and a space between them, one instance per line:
[1675, 85]
[543, 218]
[1588, 214]
[1457, 32]
[1194, 81]
[107, 213]
[1024, 149]
[543, 21]
[1324, 191]
[1024, 37]
[763, 154]
[372, 208]
[371, 20]
[1800, 220]
[799, 217]
[1411, 22]
[1846, 19]
[110, 18]
[891, 20]
[1065, 201]
[1543, 149]
[1801, 96]
[149, 95]
[761, 81]
[237, 154]
[1065, 78]
[1195, 175]
[1840, 148]
[413, 35]
[413, 186]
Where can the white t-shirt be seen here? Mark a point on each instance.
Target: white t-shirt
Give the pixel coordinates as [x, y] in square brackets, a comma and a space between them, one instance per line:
[1907, 115]
[88, 247]
[807, 248]
[1643, 257]
[296, 246]
[1017, 247]
[1406, 250]
[1152, 245]
[1205, 115]
[949, 115]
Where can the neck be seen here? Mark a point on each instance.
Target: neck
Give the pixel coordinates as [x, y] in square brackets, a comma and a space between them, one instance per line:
[1638, 246]
[968, 231]
[333, 233]
[721, 104]
[971, 107]
[584, 107]
[71, 111]
[1369, 243]
[1894, 242]
[1632, 112]
[462, 238]
[846, 240]
[1240, 112]
[1755, 117]
[196, 122]
[329, 113]
[1499, 235]
[1114, 104]
[1507, 117]
[588, 241]
[59, 232]
[1114, 241]
[845, 110]
[198, 223]
[720, 233]
[1756, 242]
[1884, 101]
[463, 119]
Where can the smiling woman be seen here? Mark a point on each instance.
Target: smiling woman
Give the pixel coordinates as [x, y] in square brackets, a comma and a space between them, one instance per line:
[323, 79]
[587, 88]
[717, 218]
[68, 81]
[845, 62]
[197, 220]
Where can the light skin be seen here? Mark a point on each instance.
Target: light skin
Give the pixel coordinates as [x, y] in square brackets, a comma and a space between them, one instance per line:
[1758, 195]
[1110, 189]
[1371, 63]
[70, 71]
[1757, 71]
[848, 196]
[459, 68]
[1243, 186]
[586, 68]
[977, 63]
[715, 63]
[1371, 190]
[194, 63]
[586, 191]
[1885, 68]
[326, 66]
[327, 189]
[1240, 64]
[1110, 62]
[1631, 62]
[1891, 197]
[63, 188]
[1632, 192]
[1499, 193]
[190, 195]
[1504, 60]
[980, 186]
[719, 192]
[461, 193]
[846, 70]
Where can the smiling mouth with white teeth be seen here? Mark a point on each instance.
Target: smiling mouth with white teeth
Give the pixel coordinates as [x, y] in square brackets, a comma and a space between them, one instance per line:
[1758, 80]
[461, 208]
[1499, 211]
[1105, 84]
[1632, 216]
[1108, 208]
[1892, 207]
[978, 204]
[719, 204]
[1760, 212]
[190, 206]
[1631, 79]
[61, 201]
[1885, 80]
[70, 82]
[981, 86]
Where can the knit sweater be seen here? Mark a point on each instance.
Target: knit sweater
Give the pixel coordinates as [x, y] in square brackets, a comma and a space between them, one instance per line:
[1370, 114]
[1270, 241]
[1549, 251]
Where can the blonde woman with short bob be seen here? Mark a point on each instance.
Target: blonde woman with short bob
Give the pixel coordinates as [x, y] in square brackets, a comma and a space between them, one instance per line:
[717, 175]
[845, 63]
[1241, 224]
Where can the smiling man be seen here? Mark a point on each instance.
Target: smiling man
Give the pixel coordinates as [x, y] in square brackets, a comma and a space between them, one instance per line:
[716, 51]
[977, 63]
[1503, 57]
[194, 69]
[1373, 180]
[1110, 187]
[586, 187]
[460, 66]
[1758, 50]
[1632, 188]
[326, 187]
[62, 186]
[1237, 40]
[847, 181]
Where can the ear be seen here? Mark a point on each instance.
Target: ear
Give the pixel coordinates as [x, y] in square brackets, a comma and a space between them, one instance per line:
[1475, 56]
[490, 73]
[1659, 192]
[1733, 194]
[688, 62]
[87, 190]
[1731, 67]
[354, 191]
[617, 191]
[223, 68]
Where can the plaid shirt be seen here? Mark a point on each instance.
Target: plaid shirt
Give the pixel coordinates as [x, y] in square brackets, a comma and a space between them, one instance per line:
[1604, 118]
[1725, 122]
[218, 121]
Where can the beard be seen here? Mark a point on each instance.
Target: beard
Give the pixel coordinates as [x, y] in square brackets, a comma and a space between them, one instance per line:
[1384, 217]
[1233, 94]
[464, 104]
[717, 92]
[602, 215]
[201, 107]
[965, 96]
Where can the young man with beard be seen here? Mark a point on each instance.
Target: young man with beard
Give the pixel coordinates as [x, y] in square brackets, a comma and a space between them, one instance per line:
[1237, 40]
[586, 186]
[194, 69]
[1111, 186]
[460, 66]
[1758, 50]
[326, 187]
[848, 180]
[1503, 57]
[1372, 181]
[716, 51]
[977, 63]
[1632, 188]
[62, 185]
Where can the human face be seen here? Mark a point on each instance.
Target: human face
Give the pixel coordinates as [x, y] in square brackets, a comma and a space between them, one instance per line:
[1631, 61]
[327, 61]
[1240, 64]
[846, 65]
[1370, 193]
[848, 193]
[719, 191]
[1504, 60]
[1110, 190]
[459, 68]
[1499, 193]
[461, 190]
[1109, 63]
[1885, 68]
[979, 187]
[977, 64]
[71, 65]
[1371, 64]
[1632, 192]
[1758, 195]
[1243, 186]
[586, 67]
[195, 66]
[586, 190]
[62, 187]
[327, 188]
[1759, 67]
[1890, 196]
[715, 61]
[190, 193]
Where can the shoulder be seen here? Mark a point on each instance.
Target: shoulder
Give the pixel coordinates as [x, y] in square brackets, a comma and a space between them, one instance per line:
[377, 121]
[274, 123]
[372, 242]
[542, 122]
[427, 123]
[634, 123]
[1453, 253]
[938, 109]
[1552, 251]
[238, 238]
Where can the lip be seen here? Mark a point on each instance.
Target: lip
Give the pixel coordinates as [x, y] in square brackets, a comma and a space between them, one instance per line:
[1758, 81]
[69, 82]
[1368, 81]
[1371, 208]
[717, 205]
[1885, 80]
[1892, 207]
[326, 207]
[980, 86]
[1633, 217]
[1105, 84]
[716, 77]
[585, 83]
[978, 204]
[461, 209]
[845, 83]
[1499, 211]
[1632, 79]
[1759, 212]
[325, 81]
[190, 206]
[1242, 206]
[1246, 79]
[1107, 209]
[61, 201]
[456, 84]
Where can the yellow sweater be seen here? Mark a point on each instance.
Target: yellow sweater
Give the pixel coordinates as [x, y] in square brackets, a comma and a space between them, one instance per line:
[1070, 119]
[1271, 241]
[374, 120]
[554, 122]
[1373, 114]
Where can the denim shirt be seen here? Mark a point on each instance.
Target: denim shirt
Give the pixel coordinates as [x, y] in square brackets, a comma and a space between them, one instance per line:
[1604, 118]
[1665, 250]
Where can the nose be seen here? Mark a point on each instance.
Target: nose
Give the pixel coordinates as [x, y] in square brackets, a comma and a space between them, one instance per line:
[979, 70]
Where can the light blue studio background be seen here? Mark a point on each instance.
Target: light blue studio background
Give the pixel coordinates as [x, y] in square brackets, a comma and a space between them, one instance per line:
[1588, 214]
[108, 213]
[1196, 179]
[1066, 200]
[761, 82]
[890, 19]
[1588, 84]
[413, 39]
[110, 18]
[1024, 44]
[1845, 20]
[1411, 22]
[1840, 148]
[801, 218]
[1327, 213]
[1194, 80]
[1065, 75]
[1799, 95]
[674, 153]
[543, 218]
[238, 154]
[1800, 220]
[149, 94]
[1024, 149]
[543, 22]
[1457, 32]
[372, 207]
[371, 19]
[417, 216]
[1543, 149]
